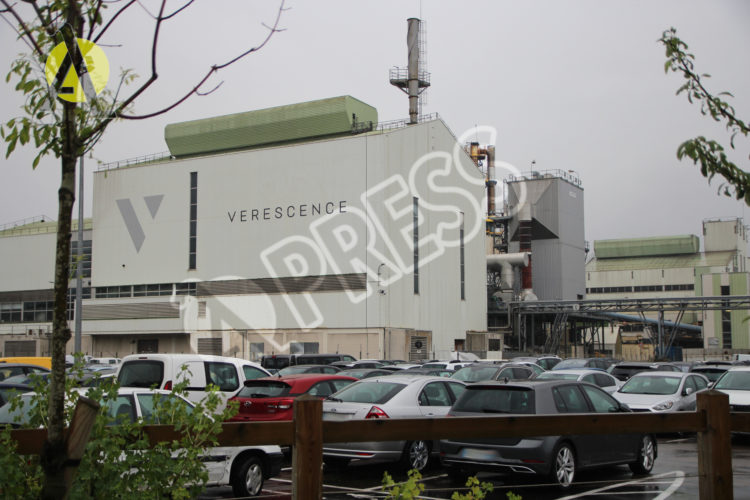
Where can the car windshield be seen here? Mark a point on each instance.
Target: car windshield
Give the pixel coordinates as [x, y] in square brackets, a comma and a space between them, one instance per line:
[555, 375]
[496, 400]
[734, 381]
[264, 389]
[369, 392]
[475, 373]
[712, 374]
[651, 385]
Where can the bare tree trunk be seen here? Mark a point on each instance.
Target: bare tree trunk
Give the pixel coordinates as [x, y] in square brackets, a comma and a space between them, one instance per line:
[54, 456]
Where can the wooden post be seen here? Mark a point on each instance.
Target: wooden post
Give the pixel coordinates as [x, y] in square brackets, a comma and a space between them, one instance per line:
[715, 447]
[307, 451]
[78, 436]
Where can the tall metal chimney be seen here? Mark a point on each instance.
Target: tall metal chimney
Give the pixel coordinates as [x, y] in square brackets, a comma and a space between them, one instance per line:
[412, 80]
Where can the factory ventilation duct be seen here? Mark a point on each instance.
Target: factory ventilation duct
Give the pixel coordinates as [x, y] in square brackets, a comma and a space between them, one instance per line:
[413, 79]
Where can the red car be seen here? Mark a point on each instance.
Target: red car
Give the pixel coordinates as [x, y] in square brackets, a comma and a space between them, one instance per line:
[271, 398]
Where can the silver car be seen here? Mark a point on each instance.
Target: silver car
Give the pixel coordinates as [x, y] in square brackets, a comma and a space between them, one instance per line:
[599, 378]
[661, 391]
[394, 396]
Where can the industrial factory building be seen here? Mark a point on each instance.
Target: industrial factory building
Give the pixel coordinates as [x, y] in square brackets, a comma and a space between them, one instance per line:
[301, 228]
[675, 266]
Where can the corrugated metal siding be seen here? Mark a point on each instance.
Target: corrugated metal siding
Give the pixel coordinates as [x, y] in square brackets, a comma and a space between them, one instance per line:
[144, 310]
[713, 259]
[294, 122]
[644, 247]
[330, 283]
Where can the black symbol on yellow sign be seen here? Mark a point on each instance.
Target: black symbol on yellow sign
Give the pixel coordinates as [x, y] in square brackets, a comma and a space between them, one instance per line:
[75, 82]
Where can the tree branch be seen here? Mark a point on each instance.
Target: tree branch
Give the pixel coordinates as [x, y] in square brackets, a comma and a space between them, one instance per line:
[109, 23]
[214, 69]
[25, 29]
[195, 90]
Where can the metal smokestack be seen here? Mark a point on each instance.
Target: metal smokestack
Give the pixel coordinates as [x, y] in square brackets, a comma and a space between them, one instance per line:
[412, 42]
[413, 79]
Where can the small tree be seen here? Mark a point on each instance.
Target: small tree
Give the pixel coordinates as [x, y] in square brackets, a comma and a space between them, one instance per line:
[707, 153]
[68, 129]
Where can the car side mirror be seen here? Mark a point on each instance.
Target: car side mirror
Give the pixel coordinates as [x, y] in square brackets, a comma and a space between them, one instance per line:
[688, 391]
[624, 407]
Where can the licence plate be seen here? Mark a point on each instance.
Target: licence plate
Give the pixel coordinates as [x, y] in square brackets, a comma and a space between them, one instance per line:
[478, 454]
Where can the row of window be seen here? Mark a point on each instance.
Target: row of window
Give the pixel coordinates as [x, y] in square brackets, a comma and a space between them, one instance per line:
[643, 288]
[155, 290]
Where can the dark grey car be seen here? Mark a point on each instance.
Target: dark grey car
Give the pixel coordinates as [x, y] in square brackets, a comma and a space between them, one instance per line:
[555, 457]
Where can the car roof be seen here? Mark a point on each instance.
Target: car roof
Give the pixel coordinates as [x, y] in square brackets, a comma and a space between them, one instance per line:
[740, 368]
[657, 373]
[398, 378]
[580, 371]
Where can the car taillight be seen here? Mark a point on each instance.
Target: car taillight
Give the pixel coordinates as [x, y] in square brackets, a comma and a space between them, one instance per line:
[376, 412]
[168, 385]
[284, 404]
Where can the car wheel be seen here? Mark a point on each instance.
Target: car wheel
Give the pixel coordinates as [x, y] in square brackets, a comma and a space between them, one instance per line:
[646, 456]
[563, 465]
[416, 455]
[247, 480]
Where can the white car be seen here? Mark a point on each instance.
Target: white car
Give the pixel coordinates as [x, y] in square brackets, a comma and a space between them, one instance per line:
[164, 371]
[736, 384]
[661, 391]
[392, 396]
[244, 468]
[600, 378]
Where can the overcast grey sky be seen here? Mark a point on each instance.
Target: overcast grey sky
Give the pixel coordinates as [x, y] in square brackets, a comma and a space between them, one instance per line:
[570, 84]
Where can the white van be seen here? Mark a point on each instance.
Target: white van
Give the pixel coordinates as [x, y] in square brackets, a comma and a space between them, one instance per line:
[164, 371]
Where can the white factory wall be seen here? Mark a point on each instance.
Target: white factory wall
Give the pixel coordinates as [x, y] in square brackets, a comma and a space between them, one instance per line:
[368, 182]
[37, 253]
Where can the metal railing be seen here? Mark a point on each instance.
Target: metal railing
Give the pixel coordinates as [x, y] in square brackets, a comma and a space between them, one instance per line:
[164, 155]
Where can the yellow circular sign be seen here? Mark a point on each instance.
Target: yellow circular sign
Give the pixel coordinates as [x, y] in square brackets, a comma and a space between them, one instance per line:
[74, 84]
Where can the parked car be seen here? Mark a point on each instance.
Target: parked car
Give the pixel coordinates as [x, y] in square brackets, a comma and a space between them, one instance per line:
[43, 361]
[360, 373]
[298, 369]
[557, 457]
[104, 361]
[484, 371]
[547, 362]
[8, 370]
[711, 371]
[363, 363]
[428, 371]
[736, 384]
[272, 398]
[18, 384]
[626, 369]
[401, 366]
[601, 379]
[661, 391]
[163, 371]
[394, 396]
[577, 363]
[244, 468]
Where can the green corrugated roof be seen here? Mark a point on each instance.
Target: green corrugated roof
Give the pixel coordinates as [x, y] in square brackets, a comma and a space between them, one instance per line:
[710, 259]
[644, 247]
[43, 228]
[278, 125]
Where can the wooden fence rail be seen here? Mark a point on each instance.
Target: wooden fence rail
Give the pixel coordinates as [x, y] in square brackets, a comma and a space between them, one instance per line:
[306, 434]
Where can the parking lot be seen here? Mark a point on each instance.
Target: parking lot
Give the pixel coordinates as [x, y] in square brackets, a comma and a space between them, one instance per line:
[675, 476]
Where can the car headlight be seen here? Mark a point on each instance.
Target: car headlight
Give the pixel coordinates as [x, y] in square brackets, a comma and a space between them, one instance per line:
[666, 405]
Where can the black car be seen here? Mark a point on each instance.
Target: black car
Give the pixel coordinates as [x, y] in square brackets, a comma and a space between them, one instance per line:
[555, 457]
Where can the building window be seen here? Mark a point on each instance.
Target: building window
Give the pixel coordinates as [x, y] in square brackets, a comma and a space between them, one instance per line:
[256, 350]
[461, 258]
[193, 220]
[726, 324]
[85, 263]
[415, 223]
[38, 312]
[11, 312]
[303, 348]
